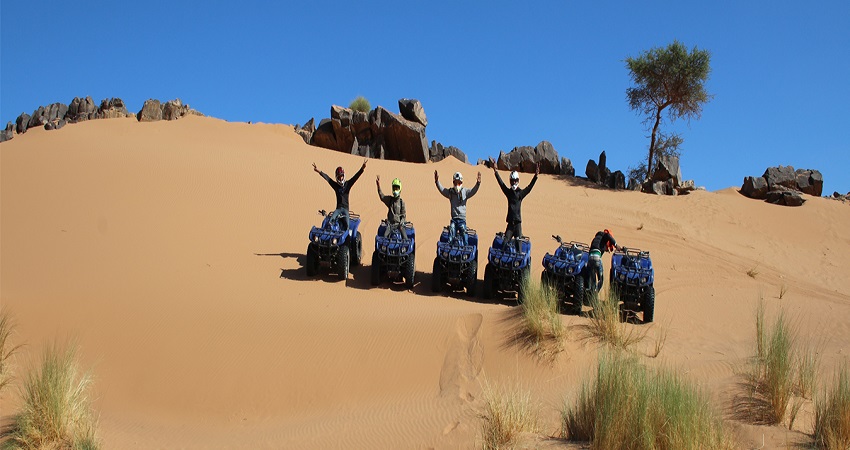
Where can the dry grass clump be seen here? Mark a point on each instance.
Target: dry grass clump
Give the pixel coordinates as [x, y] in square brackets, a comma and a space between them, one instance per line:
[7, 350]
[508, 413]
[56, 411]
[753, 272]
[782, 369]
[628, 406]
[360, 104]
[605, 326]
[542, 328]
[832, 414]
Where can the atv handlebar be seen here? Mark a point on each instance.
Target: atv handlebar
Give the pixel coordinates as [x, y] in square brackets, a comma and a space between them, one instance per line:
[557, 238]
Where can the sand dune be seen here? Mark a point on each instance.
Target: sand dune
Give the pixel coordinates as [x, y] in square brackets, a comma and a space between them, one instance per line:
[174, 252]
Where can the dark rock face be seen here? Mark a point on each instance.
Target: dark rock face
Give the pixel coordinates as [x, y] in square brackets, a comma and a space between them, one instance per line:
[55, 124]
[592, 171]
[437, 152]
[567, 167]
[411, 109]
[668, 167]
[112, 108]
[755, 187]
[809, 182]
[780, 176]
[306, 132]
[174, 109]
[8, 133]
[616, 180]
[22, 123]
[151, 111]
[42, 115]
[403, 139]
[81, 109]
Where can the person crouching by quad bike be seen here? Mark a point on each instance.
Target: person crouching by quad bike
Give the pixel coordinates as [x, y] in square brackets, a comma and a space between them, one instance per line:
[602, 242]
[396, 213]
[514, 195]
[341, 188]
[457, 195]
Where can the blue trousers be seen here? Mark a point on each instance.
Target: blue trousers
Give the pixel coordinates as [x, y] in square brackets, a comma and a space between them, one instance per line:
[455, 225]
[341, 215]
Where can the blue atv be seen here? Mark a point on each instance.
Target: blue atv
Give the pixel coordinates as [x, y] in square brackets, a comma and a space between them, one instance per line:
[456, 265]
[633, 278]
[566, 272]
[394, 257]
[507, 269]
[333, 248]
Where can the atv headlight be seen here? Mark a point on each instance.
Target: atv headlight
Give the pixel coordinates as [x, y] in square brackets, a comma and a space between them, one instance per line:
[404, 249]
[570, 270]
[315, 238]
[465, 257]
[516, 263]
[643, 280]
[445, 254]
[383, 248]
[622, 276]
[334, 241]
[551, 265]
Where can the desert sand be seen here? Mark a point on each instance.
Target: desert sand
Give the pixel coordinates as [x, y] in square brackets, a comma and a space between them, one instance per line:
[173, 253]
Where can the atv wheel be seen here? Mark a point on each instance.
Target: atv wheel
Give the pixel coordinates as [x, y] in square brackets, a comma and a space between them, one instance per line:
[409, 270]
[544, 279]
[342, 264]
[376, 269]
[356, 250]
[312, 264]
[578, 294]
[489, 281]
[471, 278]
[648, 305]
[436, 281]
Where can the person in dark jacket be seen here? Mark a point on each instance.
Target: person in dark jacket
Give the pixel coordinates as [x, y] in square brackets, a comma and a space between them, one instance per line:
[514, 195]
[341, 188]
[603, 241]
[396, 212]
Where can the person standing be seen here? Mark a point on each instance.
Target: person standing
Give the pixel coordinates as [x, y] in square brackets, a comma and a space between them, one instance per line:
[457, 195]
[515, 195]
[602, 242]
[341, 188]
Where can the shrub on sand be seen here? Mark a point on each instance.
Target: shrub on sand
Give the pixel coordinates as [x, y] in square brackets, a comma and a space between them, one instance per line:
[6, 348]
[56, 411]
[605, 325]
[360, 104]
[540, 313]
[628, 406]
[507, 414]
[832, 414]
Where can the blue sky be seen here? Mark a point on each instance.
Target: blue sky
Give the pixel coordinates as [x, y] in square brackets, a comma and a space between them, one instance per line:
[491, 76]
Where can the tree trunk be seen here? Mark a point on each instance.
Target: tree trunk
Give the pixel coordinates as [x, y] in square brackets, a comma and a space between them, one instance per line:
[652, 141]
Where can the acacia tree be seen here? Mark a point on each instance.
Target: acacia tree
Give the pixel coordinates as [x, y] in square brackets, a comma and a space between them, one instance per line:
[668, 78]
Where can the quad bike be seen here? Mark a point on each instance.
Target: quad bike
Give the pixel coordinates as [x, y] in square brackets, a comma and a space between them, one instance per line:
[333, 248]
[394, 257]
[567, 273]
[632, 279]
[456, 265]
[507, 269]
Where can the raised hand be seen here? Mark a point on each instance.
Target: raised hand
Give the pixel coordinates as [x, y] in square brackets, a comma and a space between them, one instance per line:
[492, 163]
[364, 163]
[436, 176]
[479, 177]
[378, 180]
[537, 169]
[315, 169]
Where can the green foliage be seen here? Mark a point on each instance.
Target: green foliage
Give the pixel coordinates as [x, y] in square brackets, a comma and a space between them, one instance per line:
[360, 104]
[56, 411]
[628, 406]
[832, 414]
[668, 78]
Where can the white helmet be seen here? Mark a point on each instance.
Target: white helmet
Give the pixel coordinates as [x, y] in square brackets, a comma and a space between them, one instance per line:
[514, 175]
[458, 176]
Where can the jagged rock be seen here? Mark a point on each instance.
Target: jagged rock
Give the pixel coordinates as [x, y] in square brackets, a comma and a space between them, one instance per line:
[324, 135]
[604, 171]
[112, 108]
[37, 119]
[670, 187]
[22, 123]
[437, 152]
[341, 114]
[755, 187]
[654, 187]
[668, 167]
[809, 182]
[616, 180]
[785, 198]
[55, 124]
[8, 133]
[403, 140]
[151, 111]
[592, 171]
[306, 132]
[685, 187]
[780, 176]
[567, 167]
[411, 109]
[81, 109]
[43, 115]
[174, 109]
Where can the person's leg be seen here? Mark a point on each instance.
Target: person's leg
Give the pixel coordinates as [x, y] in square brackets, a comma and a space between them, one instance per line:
[509, 234]
[593, 271]
[518, 235]
[452, 231]
[462, 227]
[402, 230]
[388, 230]
[344, 222]
[334, 216]
[600, 272]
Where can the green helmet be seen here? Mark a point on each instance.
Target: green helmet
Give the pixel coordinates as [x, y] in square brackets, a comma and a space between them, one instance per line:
[396, 182]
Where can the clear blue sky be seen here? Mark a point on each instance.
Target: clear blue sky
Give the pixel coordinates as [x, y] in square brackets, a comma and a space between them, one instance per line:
[491, 76]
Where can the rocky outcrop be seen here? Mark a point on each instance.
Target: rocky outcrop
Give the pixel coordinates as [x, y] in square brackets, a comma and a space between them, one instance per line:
[667, 179]
[22, 123]
[782, 185]
[437, 152]
[81, 109]
[112, 108]
[50, 113]
[567, 168]
[306, 132]
[599, 173]
[526, 158]
[411, 109]
[151, 111]
[378, 134]
[8, 133]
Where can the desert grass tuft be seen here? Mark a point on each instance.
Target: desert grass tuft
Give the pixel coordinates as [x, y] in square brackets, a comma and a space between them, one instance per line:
[605, 326]
[56, 409]
[808, 366]
[541, 318]
[660, 340]
[7, 350]
[508, 413]
[782, 291]
[832, 413]
[753, 272]
[360, 104]
[628, 406]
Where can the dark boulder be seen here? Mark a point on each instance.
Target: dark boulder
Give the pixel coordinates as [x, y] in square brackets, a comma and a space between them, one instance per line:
[112, 108]
[616, 180]
[22, 123]
[174, 109]
[567, 167]
[37, 119]
[411, 109]
[55, 124]
[403, 140]
[81, 109]
[780, 176]
[438, 152]
[151, 111]
[809, 182]
[668, 167]
[8, 133]
[592, 171]
[785, 198]
[755, 187]
[306, 132]
[324, 135]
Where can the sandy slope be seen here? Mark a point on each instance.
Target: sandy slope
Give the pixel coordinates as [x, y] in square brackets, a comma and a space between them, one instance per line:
[173, 252]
